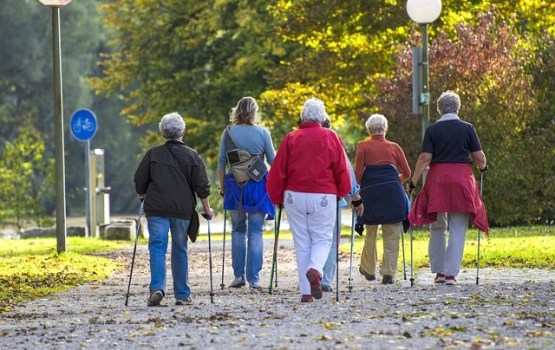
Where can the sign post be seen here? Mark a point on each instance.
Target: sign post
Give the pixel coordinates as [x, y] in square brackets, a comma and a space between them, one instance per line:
[61, 231]
[83, 128]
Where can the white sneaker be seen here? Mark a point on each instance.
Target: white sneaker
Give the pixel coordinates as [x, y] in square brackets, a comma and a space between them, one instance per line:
[238, 282]
[450, 280]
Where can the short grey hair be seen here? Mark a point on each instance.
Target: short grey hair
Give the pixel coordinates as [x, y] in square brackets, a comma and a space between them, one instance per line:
[314, 110]
[448, 102]
[172, 126]
[377, 123]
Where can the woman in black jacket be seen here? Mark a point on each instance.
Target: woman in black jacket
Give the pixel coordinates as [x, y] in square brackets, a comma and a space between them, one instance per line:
[168, 179]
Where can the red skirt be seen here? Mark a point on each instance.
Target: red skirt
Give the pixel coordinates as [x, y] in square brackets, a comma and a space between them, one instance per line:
[451, 188]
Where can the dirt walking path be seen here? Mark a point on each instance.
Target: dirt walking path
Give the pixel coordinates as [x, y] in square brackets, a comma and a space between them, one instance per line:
[510, 309]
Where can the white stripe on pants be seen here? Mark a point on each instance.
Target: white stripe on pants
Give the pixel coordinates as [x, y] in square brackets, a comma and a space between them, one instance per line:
[312, 218]
[447, 260]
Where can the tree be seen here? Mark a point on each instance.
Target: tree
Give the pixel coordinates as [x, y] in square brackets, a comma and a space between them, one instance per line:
[197, 58]
[26, 180]
[486, 65]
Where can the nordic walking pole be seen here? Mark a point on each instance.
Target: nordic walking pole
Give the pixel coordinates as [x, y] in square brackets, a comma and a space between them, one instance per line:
[411, 251]
[479, 234]
[204, 215]
[403, 250]
[337, 239]
[274, 257]
[350, 285]
[222, 285]
[141, 209]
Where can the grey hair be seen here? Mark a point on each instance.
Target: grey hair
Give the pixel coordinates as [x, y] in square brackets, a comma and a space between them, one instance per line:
[448, 102]
[172, 126]
[314, 110]
[245, 111]
[377, 123]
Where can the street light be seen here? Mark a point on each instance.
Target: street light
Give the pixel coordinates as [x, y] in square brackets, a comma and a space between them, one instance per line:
[55, 5]
[422, 12]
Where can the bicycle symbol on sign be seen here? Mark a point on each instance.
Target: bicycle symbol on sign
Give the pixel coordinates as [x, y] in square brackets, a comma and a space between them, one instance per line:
[84, 124]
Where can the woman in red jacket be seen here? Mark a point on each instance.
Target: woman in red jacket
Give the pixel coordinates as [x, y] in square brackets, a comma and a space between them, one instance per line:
[309, 174]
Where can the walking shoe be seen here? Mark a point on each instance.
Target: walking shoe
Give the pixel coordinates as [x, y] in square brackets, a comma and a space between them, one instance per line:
[307, 298]
[186, 301]
[440, 278]
[387, 279]
[238, 282]
[367, 276]
[315, 288]
[255, 287]
[155, 298]
[450, 280]
[327, 288]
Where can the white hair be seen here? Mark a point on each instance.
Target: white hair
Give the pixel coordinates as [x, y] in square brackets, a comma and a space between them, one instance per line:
[172, 126]
[377, 123]
[314, 110]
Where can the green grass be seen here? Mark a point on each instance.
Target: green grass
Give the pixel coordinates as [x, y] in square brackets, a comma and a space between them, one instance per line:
[31, 268]
[514, 247]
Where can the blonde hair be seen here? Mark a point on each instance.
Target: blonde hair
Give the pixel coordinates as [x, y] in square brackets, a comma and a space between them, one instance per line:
[245, 111]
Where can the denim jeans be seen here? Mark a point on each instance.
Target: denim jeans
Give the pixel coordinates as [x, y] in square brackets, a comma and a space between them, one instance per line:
[331, 262]
[158, 228]
[247, 244]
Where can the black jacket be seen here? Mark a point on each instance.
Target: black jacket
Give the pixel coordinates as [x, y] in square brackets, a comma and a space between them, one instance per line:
[171, 181]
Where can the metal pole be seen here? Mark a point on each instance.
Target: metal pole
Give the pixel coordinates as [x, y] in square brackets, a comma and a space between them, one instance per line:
[59, 132]
[87, 189]
[425, 81]
[425, 88]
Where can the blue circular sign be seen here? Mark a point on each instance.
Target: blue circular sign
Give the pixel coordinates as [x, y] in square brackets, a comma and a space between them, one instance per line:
[83, 124]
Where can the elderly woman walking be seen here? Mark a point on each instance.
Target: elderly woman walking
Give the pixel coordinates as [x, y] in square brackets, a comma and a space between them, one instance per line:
[450, 195]
[168, 179]
[309, 175]
[381, 168]
[246, 199]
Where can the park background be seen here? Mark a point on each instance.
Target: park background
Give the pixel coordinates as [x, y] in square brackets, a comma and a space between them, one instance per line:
[132, 61]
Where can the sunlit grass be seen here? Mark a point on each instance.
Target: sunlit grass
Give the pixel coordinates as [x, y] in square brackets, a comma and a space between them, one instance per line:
[30, 268]
[514, 247]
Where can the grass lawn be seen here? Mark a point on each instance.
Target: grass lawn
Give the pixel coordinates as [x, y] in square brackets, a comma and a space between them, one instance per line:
[31, 268]
[512, 247]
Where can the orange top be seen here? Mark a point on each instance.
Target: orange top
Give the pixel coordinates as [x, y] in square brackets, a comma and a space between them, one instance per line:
[378, 150]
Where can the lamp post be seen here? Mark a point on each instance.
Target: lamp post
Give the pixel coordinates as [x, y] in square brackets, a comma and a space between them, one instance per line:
[55, 5]
[423, 12]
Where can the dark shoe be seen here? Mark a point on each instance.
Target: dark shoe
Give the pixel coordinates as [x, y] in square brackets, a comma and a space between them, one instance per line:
[187, 301]
[327, 289]
[367, 276]
[305, 298]
[315, 288]
[440, 278]
[155, 298]
[238, 282]
[450, 280]
[387, 279]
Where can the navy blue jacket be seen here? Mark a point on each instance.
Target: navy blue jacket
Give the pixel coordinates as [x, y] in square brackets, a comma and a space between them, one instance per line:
[383, 195]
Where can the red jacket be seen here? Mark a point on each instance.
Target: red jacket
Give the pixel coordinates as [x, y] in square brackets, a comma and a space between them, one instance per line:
[449, 187]
[309, 160]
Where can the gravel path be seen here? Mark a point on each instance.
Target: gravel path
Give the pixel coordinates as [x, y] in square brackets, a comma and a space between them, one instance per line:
[509, 309]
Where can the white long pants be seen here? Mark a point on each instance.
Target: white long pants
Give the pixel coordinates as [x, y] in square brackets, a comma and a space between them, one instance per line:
[447, 260]
[312, 219]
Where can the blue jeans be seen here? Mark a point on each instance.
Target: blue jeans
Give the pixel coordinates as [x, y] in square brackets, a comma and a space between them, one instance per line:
[158, 228]
[331, 262]
[247, 244]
